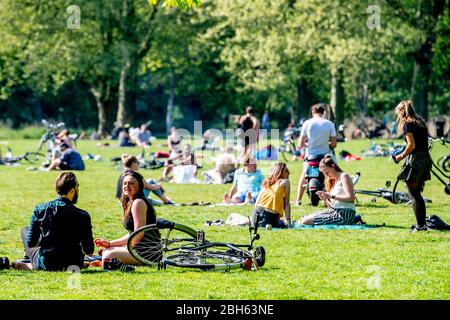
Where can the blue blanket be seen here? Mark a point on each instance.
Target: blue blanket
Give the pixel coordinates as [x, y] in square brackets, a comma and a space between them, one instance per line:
[334, 226]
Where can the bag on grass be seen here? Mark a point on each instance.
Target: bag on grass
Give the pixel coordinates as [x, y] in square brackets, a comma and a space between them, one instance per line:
[434, 222]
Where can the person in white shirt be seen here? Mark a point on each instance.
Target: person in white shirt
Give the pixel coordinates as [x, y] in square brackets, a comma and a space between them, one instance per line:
[318, 135]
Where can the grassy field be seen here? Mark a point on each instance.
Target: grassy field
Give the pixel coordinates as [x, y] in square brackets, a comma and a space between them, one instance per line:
[380, 263]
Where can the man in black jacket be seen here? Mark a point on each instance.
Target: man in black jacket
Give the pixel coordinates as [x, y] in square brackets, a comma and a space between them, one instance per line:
[59, 234]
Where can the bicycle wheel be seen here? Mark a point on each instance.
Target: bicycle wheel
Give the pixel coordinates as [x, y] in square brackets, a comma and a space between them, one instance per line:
[148, 243]
[260, 256]
[206, 260]
[446, 163]
[288, 151]
[399, 193]
[33, 157]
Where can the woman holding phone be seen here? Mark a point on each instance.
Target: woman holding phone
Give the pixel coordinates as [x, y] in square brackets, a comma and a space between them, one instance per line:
[339, 197]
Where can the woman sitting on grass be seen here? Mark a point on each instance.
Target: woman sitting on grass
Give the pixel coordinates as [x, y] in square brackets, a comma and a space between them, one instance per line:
[339, 197]
[130, 162]
[273, 199]
[137, 212]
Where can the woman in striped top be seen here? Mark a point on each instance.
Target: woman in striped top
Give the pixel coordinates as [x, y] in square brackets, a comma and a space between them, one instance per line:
[339, 197]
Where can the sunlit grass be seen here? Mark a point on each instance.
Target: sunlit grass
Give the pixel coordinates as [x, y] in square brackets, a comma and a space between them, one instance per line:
[381, 263]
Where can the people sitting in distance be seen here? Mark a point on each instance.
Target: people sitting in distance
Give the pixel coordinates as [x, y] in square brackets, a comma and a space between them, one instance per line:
[143, 136]
[174, 143]
[186, 157]
[246, 184]
[59, 234]
[70, 160]
[226, 164]
[130, 162]
[65, 137]
[339, 197]
[125, 138]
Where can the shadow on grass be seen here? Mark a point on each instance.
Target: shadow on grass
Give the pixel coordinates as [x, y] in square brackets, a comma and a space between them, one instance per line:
[371, 205]
[376, 226]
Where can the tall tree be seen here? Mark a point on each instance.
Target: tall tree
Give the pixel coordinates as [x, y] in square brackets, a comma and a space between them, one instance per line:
[423, 15]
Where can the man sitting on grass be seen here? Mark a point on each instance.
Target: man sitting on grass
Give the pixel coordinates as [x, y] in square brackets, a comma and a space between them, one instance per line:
[59, 234]
[246, 184]
[70, 160]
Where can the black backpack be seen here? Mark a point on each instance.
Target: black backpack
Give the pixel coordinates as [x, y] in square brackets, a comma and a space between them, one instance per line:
[436, 223]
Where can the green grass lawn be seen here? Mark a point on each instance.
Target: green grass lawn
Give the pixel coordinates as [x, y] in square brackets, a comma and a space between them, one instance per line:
[380, 263]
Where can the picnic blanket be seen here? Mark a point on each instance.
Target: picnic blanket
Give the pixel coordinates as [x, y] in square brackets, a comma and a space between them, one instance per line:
[229, 204]
[335, 226]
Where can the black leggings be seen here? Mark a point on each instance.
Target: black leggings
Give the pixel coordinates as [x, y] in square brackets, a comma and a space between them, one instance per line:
[415, 189]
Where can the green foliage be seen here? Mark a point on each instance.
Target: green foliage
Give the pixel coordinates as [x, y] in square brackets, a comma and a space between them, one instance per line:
[381, 263]
[216, 56]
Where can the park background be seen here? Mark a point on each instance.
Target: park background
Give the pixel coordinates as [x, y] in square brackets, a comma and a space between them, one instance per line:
[123, 61]
[102, 64]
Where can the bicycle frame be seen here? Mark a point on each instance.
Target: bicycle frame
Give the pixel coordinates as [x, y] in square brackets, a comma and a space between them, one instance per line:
[435, 169]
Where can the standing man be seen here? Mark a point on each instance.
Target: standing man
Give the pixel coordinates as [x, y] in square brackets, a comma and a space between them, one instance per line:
[318, 135]
[250, 126]
[59, 234]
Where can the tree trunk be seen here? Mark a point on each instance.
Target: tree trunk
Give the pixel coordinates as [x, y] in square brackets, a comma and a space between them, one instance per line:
[100, 95]
[420, 88]
[304, 98]
[170, 103]
[337, 98]
[122, 102]
[426, 19]
[362, 102]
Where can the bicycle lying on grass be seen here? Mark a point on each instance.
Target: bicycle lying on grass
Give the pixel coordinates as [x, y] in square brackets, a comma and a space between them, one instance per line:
[168, 243]
[394, 196]
[30, 157]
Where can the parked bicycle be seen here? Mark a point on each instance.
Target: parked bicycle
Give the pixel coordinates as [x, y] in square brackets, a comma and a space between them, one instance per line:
[49, 137]
[170, 244]
[289, 144]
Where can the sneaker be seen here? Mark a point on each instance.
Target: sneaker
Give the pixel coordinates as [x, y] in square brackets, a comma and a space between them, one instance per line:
[170, 203]
[416, 228]
[116, 264]
[4, 263]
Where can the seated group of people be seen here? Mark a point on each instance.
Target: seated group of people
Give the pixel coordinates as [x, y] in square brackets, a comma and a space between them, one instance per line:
[60, 235]
[273, 199]
[131, 137]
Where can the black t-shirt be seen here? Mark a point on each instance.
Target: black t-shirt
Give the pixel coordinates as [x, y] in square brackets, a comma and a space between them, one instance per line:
[247, 123]
[150, 218]
[420, 135]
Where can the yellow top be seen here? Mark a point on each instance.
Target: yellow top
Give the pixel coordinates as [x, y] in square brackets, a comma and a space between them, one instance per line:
[272, 198]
